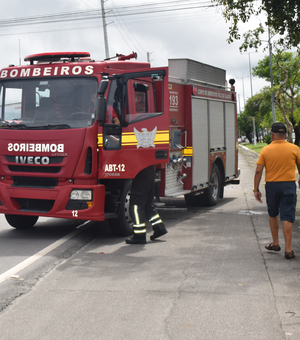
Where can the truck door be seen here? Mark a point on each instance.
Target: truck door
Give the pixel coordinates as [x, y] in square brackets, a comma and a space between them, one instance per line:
[141, 136]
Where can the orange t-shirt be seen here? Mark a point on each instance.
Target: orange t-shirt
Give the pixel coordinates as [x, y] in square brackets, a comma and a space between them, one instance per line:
[279, 159]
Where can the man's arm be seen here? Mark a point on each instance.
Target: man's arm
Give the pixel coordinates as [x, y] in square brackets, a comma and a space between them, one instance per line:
[257, 178]
[298, 167]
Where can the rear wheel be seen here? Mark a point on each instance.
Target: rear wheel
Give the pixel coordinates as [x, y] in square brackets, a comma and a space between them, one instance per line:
[212, 194]
[122, 225]
[21, 221]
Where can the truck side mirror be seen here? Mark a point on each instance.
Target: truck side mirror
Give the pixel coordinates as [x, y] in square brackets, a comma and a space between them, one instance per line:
[101, 102]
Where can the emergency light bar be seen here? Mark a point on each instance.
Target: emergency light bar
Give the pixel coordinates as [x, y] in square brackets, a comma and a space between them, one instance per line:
[55, 56]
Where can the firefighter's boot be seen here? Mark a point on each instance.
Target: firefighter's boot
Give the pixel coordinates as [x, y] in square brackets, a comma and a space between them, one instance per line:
[139, 234]
[137, 239]
[159, 230]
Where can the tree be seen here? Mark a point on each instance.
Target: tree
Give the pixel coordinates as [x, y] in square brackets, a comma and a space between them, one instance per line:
[283, 22]
[286, 78]
[245, 125]
[259, 107]
[282, 18]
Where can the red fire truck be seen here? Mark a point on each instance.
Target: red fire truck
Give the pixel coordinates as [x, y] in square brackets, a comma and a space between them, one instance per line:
[75, 132]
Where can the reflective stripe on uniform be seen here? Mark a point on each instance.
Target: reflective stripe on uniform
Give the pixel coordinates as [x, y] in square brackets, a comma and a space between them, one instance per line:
[139, 231]
[136, 214]
[154, 217]
[157, 222]
[138, 228]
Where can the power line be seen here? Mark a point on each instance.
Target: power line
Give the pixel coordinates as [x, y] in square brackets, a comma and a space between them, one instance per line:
[143, 9]
[124, 24]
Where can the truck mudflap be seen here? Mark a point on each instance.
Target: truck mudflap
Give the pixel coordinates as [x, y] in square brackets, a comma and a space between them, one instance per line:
[53, 202]
[235, 180]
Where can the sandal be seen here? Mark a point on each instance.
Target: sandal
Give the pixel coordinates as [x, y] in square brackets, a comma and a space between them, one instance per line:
[289, 255]
[271, 247]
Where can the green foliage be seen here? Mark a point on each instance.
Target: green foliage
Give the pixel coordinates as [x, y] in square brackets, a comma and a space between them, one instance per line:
[267, 139]
[286, 80]
[282, 18]
[288, 60]
[244, 124]
[257, 148]
[259, 106]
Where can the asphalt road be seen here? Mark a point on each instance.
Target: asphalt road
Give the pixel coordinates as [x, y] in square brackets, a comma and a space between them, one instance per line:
[210, 277]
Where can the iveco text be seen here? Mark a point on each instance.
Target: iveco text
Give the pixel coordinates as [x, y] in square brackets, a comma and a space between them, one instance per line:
[32, 160]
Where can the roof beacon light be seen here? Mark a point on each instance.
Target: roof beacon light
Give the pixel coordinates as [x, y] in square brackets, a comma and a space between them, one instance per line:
[55, 56]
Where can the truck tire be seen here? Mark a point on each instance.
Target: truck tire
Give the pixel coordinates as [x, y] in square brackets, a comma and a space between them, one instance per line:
[21, 221]
[122, 225]
[212, 194]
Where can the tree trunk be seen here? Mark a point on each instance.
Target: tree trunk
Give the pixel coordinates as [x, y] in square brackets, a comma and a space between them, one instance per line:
[297, 134]
[248, 135]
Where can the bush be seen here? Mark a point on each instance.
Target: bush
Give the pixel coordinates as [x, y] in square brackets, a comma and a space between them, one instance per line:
[267, 139]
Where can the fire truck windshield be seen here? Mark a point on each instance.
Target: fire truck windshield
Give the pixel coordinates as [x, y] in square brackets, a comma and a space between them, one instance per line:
[53, 103]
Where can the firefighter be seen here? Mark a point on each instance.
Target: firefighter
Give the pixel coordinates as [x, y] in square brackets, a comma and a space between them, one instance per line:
[141, 208]
[111, 116]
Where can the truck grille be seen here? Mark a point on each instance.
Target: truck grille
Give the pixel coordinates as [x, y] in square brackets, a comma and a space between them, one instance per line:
[27, 204]
[34, 182]
[35, 168]
[40, 169]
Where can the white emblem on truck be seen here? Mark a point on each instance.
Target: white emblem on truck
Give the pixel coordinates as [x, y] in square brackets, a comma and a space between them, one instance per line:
[145, 138]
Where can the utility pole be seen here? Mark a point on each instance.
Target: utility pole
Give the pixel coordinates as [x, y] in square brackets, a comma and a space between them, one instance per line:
[271, 78]
[244, 100]
[104, 30]
[250, 71]
[19, 52]
[254, 133]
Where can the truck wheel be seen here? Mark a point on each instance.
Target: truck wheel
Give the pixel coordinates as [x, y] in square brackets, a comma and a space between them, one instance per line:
[212, 193]
[122, 225]
[21, 221]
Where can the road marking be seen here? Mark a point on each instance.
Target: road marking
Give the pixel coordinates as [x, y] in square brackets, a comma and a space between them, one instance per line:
[9, 273]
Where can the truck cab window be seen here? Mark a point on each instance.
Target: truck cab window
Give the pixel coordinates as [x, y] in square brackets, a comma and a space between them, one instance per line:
[144, 99]
[13, 98]
[61, 102]
[140, 91]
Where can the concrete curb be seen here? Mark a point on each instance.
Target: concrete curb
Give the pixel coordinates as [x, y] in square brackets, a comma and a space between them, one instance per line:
[250, 152]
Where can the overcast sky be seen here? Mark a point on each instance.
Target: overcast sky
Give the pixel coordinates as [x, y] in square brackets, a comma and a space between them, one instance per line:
[166, 29]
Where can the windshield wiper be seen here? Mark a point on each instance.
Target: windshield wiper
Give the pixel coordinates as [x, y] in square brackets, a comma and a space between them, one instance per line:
[40, 127]
[14, 126]
[50, 127]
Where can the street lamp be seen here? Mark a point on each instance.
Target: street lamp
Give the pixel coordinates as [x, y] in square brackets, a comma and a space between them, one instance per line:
[243, 88]
[250, 71]
[271, 77]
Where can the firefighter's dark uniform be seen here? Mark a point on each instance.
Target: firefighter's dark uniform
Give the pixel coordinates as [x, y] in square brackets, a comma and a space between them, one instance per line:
[141, 208]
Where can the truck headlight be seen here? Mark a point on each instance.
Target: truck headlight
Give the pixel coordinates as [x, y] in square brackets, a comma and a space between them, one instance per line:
[83, 195]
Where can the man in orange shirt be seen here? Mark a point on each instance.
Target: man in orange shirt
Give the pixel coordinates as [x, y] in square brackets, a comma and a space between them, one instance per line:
[279, 159]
